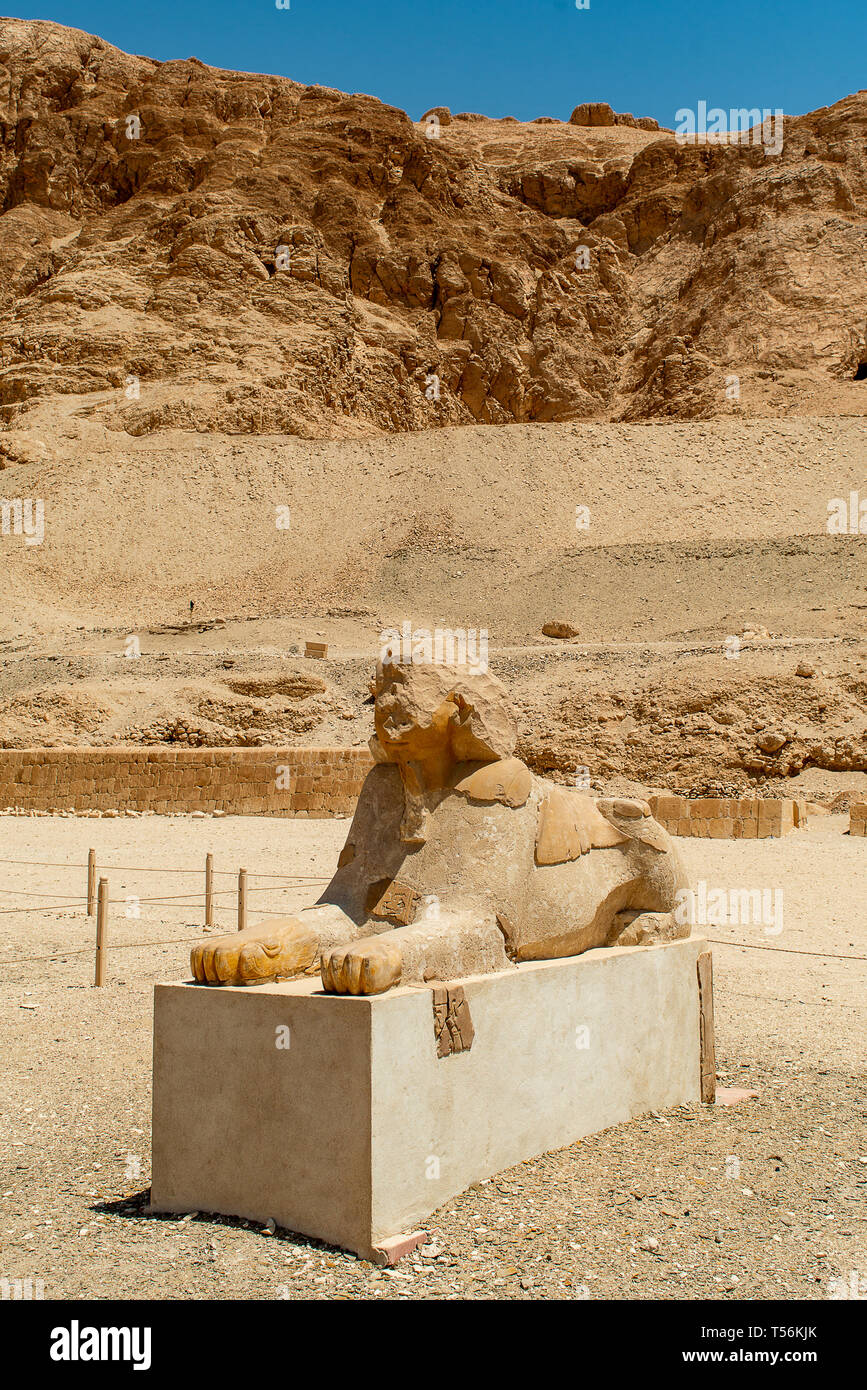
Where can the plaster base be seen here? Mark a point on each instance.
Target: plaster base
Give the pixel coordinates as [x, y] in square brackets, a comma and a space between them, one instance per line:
[356, 1131]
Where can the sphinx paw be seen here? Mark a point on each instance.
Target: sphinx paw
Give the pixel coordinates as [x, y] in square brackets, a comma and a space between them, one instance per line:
[369, 966]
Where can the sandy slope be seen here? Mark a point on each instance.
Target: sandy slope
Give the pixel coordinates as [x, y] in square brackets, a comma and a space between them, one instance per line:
[473, 525]
[696, 533]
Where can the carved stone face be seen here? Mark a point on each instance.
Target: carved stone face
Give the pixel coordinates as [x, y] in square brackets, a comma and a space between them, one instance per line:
[408, 727]
[428, 710]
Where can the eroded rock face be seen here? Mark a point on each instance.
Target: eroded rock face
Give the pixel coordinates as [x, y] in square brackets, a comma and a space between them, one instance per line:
[593, 113]
[220, 251]
[732, 727]
[465, 716]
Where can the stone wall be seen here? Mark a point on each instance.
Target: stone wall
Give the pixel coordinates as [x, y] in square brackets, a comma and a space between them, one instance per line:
[721, 818]
[312, 782]
[858, 818]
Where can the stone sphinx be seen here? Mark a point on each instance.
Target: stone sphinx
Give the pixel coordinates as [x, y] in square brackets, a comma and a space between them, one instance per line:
[459, 861]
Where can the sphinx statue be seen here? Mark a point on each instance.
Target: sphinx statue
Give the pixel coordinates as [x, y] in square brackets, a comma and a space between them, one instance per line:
[459, 860]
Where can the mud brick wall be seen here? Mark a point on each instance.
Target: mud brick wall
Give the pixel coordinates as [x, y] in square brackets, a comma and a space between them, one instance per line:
[720, 818]
[315, 782]
[858, 818]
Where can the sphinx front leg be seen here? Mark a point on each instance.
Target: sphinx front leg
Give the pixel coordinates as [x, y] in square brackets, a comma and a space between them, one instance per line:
[453, 946]
[275, 949]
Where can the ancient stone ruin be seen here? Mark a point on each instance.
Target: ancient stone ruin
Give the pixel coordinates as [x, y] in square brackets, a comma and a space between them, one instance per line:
[459, 861]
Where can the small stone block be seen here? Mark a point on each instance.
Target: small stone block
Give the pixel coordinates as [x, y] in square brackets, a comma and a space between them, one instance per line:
[733, 1095]
[389, 1251]
[721, 828]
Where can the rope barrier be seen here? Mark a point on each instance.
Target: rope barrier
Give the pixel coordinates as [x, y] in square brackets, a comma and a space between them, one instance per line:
[316, 878]
[170, 897]
[176, 940]
[197, 898]
[22, 893]
[55, 907]
[45, 863]
[118, 902]
[783, 950]
[100, 901]
[149, 869]
[115, 946]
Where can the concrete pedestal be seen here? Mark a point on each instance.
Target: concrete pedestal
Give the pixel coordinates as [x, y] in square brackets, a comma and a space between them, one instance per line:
[335, 1117]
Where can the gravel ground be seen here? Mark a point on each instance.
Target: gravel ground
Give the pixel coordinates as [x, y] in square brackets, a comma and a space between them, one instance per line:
[760, 1200]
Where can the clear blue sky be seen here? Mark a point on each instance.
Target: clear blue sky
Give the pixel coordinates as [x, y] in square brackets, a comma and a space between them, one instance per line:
[521, 58]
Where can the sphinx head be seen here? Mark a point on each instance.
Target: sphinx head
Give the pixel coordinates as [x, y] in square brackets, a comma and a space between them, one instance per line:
[428, 717]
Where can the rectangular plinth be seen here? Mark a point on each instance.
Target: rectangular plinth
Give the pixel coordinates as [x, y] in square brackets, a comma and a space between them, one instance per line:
[335, 1117]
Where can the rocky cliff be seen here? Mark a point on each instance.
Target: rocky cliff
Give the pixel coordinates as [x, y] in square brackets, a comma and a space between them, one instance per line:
[194, 248]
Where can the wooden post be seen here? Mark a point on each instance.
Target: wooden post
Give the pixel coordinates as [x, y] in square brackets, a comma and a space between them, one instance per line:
[91, 882]
[706, 1028]
[209, 890]
[242, 899]
[101, 931]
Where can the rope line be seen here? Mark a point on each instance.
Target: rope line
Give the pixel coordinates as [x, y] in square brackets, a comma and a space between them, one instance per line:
[127, 945]
[113, 946]
[783, 950]
[170, 897]
[54, 907]
[22, 893]
[45, 863]
[149, 869]
[88, 950]
[157, 902]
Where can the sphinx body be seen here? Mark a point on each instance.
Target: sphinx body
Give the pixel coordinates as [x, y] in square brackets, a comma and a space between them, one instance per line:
[460, 861]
